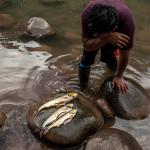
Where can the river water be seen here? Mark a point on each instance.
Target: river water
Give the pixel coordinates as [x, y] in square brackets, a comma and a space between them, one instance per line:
[33, 70]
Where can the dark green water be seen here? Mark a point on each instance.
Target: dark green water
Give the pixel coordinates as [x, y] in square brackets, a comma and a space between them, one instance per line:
[30, 75]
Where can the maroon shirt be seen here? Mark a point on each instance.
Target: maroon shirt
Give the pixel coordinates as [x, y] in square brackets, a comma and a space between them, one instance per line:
[126, 19]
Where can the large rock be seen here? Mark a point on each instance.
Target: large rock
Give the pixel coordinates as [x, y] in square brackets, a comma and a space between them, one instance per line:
[2, 119]
[86, 122]
[38, 28]
[135, 104]
[112, 139]
[6, 21]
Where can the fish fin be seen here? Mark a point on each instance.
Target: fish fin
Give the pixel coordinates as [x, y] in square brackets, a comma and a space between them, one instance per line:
[67, 121]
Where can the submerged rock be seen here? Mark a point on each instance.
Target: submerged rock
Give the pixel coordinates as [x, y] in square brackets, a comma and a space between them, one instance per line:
[2, 119]
[86, 122]
[6, 21]
[38, 28]
[112, 139]
[135, 104]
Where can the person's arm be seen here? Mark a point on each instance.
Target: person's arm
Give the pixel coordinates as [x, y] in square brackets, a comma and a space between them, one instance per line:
[114, 38]
[93, 44]
[118, 79]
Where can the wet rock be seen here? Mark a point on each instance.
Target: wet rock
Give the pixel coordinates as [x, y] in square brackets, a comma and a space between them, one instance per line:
[86, 122]
[38, 28]
[2, 119]
[104, 107]
[50, 2]
[135, 104]
[6, 21]
[112, 139]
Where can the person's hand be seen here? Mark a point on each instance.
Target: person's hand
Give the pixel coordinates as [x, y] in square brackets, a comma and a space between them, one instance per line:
[119, 39]
[120, 83]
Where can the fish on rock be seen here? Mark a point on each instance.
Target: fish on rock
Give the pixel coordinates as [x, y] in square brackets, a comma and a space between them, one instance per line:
[62, 120]
[57, 114]
[59, 101]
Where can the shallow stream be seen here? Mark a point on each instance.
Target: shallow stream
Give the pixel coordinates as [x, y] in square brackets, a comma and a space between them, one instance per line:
[33, 70]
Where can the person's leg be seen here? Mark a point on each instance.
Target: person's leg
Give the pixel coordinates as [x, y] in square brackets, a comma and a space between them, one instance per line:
[87, 60]
[109, 55]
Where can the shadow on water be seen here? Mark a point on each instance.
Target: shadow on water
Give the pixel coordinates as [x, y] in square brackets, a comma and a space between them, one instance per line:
[33, 71]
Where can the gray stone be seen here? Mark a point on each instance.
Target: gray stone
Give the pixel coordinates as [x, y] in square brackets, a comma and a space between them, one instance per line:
[38, 28]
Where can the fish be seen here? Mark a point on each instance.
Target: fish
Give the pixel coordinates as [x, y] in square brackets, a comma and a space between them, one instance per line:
[59, 101]
[57, 114]
[62, 120]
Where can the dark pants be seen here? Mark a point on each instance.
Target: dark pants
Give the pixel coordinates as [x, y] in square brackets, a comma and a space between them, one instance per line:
[108, 55]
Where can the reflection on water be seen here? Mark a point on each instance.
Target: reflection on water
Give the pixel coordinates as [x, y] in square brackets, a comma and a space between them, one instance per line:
[33, 70]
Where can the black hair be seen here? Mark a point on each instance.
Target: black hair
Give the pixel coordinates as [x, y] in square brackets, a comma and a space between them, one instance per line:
[103, 19]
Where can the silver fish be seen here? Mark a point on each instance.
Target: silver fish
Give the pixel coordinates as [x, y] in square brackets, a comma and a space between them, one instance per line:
[57, 114]
[59, 101]
[62, 120]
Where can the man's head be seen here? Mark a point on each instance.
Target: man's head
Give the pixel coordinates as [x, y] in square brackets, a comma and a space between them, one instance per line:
[103, 19]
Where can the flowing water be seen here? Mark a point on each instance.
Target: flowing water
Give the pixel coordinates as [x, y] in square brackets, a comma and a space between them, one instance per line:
[32, 70]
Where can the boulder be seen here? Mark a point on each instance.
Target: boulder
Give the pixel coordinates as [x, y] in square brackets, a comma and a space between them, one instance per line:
[112, 139]
[38, 28]
[135, 104]
[86, 122]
